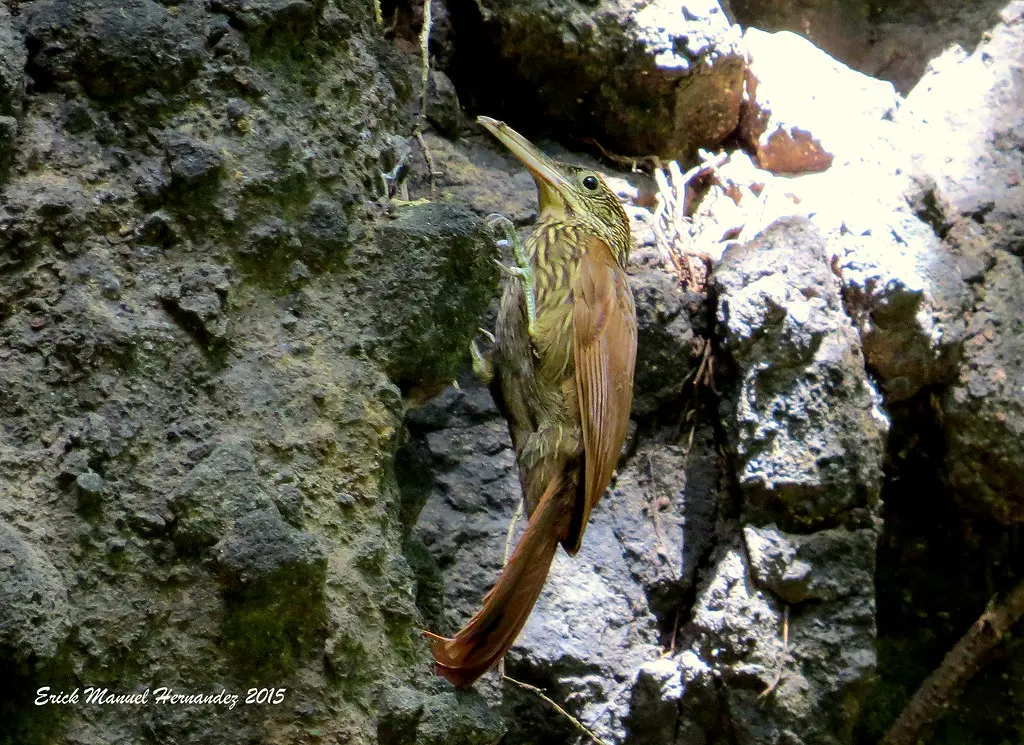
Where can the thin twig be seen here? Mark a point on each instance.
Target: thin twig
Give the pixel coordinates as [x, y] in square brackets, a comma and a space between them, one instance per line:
[656, 519]
[672, 229]
[428, 157]
[675, 630]
[510, 532]
[706, 370]
[575, 722]
[653, 162]
[504, 562]
[940, 690]
[783, 658]
[424, 94]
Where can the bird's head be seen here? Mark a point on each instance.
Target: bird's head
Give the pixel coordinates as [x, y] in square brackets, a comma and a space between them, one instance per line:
[567, 192]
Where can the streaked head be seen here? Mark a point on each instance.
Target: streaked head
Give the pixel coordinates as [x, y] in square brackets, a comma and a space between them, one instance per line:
[569, 192]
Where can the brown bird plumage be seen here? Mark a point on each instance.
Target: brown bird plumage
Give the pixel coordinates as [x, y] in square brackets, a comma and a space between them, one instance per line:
[565, 386]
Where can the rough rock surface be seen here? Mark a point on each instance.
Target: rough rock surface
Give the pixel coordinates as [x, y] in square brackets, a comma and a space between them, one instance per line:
[12, 84]
[203, 300]
[890, 41]
[807, 429]
[663, 79]
[841, 28]
[981, 173]
[978, 191]
[907, 36]
[35, 619]
[901, 284]
[801, 107]
[215, 331]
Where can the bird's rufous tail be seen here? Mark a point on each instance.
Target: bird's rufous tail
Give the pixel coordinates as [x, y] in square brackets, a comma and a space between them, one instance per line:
[488, 635]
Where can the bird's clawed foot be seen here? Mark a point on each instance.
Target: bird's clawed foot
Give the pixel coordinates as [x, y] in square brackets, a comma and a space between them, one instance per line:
[483, 368]
[505, 233]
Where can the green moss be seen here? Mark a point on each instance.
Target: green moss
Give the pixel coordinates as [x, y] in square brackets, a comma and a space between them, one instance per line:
[268, 633]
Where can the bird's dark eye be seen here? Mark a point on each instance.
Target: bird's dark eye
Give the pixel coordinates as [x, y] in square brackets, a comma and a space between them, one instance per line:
[590, 182]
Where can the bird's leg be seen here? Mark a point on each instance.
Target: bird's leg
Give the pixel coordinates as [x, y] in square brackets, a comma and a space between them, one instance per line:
[522, 271]
[483, 368]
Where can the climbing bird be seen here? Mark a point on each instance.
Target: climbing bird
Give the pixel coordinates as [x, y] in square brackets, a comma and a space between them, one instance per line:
[561, 371]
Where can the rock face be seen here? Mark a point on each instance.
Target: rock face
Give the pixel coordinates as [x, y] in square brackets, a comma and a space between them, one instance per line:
[901, 283]
[223, 466]
[602, 612]
[839, 27]
[894, 41]
[664, 80]
[807, 429]
[978, 190]
[12, 84]
[801, 107]
[207, 320]
[36, 619]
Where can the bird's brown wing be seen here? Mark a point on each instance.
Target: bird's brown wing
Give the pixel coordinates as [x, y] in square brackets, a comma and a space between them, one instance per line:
[604, 347]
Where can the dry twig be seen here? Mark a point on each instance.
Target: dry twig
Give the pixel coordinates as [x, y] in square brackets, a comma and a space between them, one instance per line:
[671, 225]
[504, 562]
[940, 689]
[575, 722]
[424, 94]
[783, 658]
[633, 162]
[501, 665]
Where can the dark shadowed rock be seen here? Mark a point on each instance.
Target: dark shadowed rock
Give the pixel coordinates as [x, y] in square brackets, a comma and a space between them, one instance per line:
[671, 326]
[260, 19]
[35, 617]
[426, 283]
[985, 407]
[663, 79]
[443, 109]
[411, 717]
[966, 132]
[827, 565]
[840, 27]
[324, 231]
[664, 507]
[12, 66]
[195, 166]
[114, 49]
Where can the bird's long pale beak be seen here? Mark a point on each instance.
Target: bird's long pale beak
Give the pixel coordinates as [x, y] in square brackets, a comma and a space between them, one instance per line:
[551, 184]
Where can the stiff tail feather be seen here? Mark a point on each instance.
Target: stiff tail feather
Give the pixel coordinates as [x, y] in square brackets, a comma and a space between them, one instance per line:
[484, 640]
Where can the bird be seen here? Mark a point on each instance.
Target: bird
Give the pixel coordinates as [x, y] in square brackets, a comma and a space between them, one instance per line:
[561, 372]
